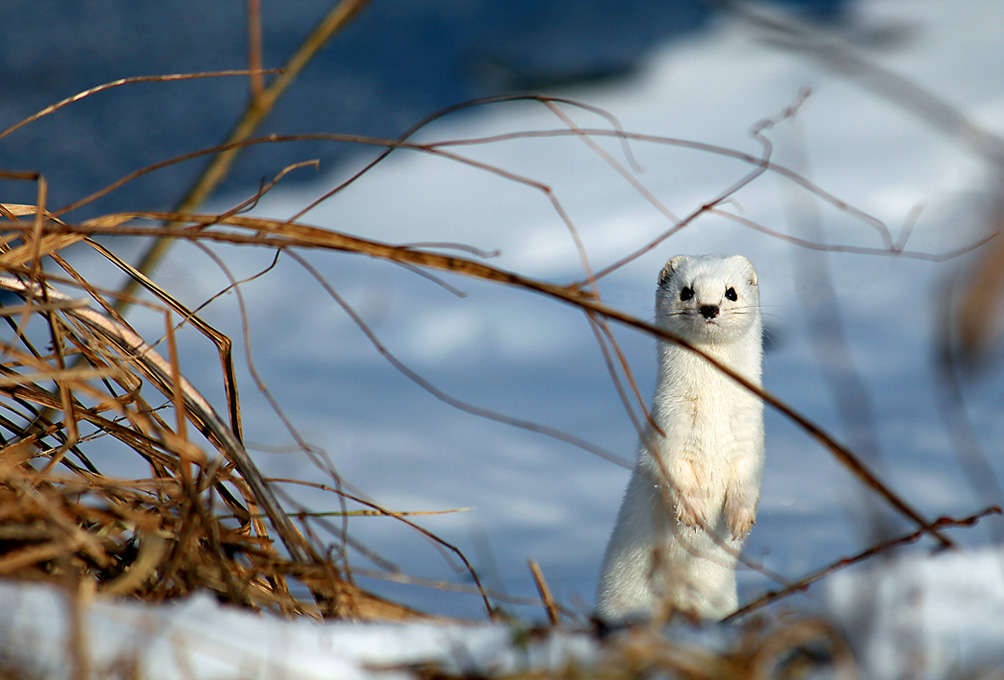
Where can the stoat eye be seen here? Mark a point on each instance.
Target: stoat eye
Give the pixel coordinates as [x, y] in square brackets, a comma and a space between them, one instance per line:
[731, 294]
[686, 293]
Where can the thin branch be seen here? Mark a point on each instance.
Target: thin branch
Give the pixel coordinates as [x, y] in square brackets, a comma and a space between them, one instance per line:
[803, 584]
[337, 18]
[545, 594]
[890, 251]
[128, 81]
[838, 56]
[403, 368]
[402, 141]
[401, 518]
[255, 49]
[761, 166]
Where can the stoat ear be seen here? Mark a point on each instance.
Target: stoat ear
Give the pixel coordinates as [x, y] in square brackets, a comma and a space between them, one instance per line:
[667, 271]
[748, 265]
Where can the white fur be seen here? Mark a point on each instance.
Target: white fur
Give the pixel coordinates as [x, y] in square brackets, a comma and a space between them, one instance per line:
[710, 443]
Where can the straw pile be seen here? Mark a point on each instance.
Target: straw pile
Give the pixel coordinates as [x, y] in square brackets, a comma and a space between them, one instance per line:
[76, 378]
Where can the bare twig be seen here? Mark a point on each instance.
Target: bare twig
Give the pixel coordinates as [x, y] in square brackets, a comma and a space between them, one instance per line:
[401, 518]
[803, 584]
[443, 396]
[545, 594]
[838, 56]
[402, 141]
[337, 18]
[255, 49]
[127, 81]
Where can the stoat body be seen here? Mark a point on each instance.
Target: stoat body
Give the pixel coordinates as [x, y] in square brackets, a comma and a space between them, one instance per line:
[708, 438]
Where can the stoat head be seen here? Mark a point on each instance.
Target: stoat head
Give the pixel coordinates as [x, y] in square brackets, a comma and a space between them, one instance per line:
[708, 298]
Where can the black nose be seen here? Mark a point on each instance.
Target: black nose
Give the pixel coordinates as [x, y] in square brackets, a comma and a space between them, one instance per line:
[709, 311]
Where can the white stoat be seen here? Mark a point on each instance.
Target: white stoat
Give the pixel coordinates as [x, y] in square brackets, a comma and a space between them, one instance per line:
[708, 439]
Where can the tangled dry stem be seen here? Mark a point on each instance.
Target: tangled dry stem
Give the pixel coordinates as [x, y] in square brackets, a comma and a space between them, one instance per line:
[194, 522]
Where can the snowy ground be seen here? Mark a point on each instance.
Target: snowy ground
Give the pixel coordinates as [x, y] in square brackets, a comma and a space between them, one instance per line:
[537, 498]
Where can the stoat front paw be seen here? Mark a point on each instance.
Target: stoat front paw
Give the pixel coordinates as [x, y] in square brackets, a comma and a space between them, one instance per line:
[691, 508]
[740, 519]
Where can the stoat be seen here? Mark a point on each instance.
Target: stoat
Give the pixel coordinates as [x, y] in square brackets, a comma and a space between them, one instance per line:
[699, 466]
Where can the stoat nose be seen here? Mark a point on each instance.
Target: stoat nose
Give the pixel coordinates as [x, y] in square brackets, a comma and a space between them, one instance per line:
[709, 311]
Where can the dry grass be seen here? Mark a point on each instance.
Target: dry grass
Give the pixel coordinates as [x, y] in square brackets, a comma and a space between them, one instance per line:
[75, 376]
[202, 518]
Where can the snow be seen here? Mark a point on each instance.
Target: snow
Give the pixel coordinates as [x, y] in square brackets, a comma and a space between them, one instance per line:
[919, 617]
[933, 614]
[539, 498]
[201, 638]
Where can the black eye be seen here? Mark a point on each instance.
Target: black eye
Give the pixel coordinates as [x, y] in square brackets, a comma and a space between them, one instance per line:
[686, 293]
[731, 294]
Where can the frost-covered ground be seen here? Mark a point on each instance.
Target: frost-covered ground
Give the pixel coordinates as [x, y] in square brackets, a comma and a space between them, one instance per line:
[533, 497]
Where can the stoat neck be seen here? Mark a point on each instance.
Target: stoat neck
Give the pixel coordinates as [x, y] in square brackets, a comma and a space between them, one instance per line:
[676, 363]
